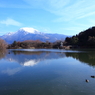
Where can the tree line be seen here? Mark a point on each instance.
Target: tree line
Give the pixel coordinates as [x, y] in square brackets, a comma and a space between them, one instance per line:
[30, 44]
[83, 39]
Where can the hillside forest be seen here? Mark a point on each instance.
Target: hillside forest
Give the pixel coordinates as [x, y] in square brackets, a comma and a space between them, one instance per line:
[83, 39]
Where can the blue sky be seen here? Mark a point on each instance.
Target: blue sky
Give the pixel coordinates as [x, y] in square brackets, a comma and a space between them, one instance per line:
[67, 17]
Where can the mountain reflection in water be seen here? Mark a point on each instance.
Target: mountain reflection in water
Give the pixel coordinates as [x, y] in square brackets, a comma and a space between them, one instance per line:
[27, 58]
[31, 58]
[47, 72]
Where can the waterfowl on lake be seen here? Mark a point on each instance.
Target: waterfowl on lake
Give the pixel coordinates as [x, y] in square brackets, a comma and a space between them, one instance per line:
[87, 80]
[93, 76]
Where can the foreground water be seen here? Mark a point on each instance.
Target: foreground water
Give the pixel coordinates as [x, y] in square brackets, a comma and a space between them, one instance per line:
[47, 72]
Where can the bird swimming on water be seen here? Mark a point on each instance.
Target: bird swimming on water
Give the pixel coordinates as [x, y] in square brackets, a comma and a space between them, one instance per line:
[87, 80]
[93, 76]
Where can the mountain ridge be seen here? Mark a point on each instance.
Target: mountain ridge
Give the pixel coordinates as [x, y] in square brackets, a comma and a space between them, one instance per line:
[31, 34]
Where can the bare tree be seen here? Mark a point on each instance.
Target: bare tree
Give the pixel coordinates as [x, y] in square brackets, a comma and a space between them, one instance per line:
[3, 44]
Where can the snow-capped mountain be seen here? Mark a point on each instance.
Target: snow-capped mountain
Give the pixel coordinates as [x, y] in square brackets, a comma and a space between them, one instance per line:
[31, 34]
[30, 30]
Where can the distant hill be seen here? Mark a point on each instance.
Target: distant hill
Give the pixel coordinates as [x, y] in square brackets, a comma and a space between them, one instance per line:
[31, 34]
[84, 39]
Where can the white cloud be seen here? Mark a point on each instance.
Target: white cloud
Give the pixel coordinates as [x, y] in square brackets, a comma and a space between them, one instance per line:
[86, 15]
[80, 9]
[82, 12]
[66, 9]
[11, 71]
[31, 63]
[10, 21]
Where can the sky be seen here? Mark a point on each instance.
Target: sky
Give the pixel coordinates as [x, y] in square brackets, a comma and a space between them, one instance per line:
[68, 17]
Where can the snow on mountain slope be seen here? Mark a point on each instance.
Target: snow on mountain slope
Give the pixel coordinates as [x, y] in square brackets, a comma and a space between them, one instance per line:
[27, 33]
[30, 30]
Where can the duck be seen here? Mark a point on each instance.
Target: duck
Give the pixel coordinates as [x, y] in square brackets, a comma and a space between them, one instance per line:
[93, 76]
[87, 80]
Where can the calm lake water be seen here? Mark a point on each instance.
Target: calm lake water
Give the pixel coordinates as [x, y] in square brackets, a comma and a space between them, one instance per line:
[47, 72]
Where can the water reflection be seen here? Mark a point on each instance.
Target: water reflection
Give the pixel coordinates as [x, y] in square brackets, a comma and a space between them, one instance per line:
[63, 75]
[10, 71]
[3, 53]
[86, 57]
[27, 58]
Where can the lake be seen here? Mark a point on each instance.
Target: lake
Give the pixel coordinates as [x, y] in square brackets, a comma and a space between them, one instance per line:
[47, 72]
